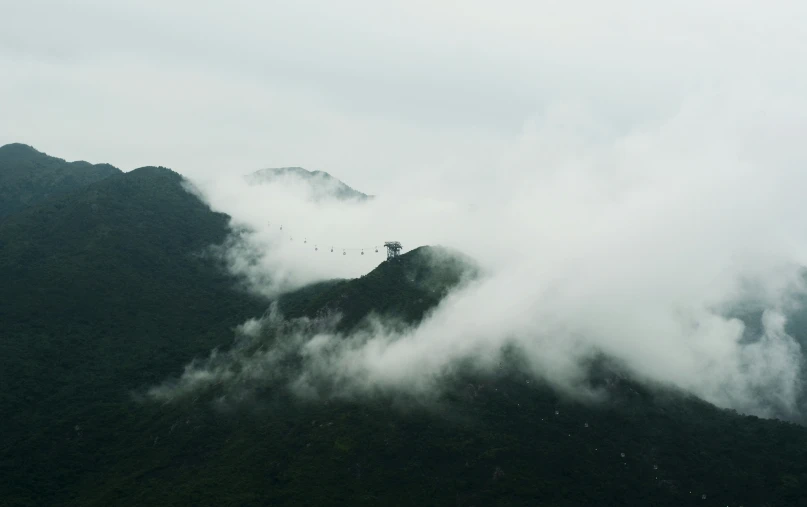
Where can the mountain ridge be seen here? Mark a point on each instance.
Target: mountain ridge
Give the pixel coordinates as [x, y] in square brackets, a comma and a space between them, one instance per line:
[28, 176]
[112, 289]
[105, 288]
[405, 288]
[322, 184]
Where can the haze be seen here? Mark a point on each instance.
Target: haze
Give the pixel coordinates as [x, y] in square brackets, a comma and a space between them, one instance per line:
[622, 171]
[374, 94]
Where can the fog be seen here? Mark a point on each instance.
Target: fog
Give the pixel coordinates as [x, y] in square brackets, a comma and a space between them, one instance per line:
[625, 173]
[633, 245]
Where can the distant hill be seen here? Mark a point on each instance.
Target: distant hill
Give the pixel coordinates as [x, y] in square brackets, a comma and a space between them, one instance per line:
[28, 176]
[322, 184]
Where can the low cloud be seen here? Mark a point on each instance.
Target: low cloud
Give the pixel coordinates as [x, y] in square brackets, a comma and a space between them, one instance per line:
[634, 245]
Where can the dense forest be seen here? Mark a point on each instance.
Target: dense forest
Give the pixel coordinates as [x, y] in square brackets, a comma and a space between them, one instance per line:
[28, 176]
[111, 287]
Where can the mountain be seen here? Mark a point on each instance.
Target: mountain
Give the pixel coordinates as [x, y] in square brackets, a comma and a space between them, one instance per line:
[322, 185]
[489, 439]
[111, 290]
[28, 176]
[405, 289]
[104, 290]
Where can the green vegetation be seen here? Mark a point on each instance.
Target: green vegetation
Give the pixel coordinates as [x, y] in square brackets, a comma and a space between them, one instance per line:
[104, 291]
[405, 289]
[108, 290]
[29, 177]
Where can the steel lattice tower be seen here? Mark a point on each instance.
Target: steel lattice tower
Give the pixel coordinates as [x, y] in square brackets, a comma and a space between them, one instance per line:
[393, 249]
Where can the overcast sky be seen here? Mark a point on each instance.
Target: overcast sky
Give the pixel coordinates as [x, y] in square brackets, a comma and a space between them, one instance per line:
[363, 89]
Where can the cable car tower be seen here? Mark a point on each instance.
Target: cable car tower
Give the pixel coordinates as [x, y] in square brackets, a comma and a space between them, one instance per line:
[393, 249]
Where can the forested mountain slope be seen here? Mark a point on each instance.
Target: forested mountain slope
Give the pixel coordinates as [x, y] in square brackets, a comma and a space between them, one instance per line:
[28, 176]
[103, 290]
[110, 291]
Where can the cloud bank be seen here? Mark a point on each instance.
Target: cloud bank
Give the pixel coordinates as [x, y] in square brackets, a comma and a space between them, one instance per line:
[594, 240]
[624, 171]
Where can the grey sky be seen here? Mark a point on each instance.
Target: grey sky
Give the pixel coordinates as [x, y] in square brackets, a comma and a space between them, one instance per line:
[359, 88]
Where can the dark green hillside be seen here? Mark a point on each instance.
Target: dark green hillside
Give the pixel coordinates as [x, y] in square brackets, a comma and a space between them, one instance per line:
[405, 288]
[105, 294]
[103, 291]
[28, 177]
[488, 440]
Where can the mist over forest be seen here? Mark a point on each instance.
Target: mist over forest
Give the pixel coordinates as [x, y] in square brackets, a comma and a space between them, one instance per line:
[403, 254]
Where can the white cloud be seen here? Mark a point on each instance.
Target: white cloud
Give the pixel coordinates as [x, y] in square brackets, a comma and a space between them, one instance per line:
[595, 241]
[622, 168]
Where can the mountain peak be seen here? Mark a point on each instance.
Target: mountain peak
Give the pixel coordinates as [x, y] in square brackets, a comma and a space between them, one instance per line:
[18, 151]
[152, 171]
[322, 185]
[405, 288]
[29, 176]
[17, 147]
